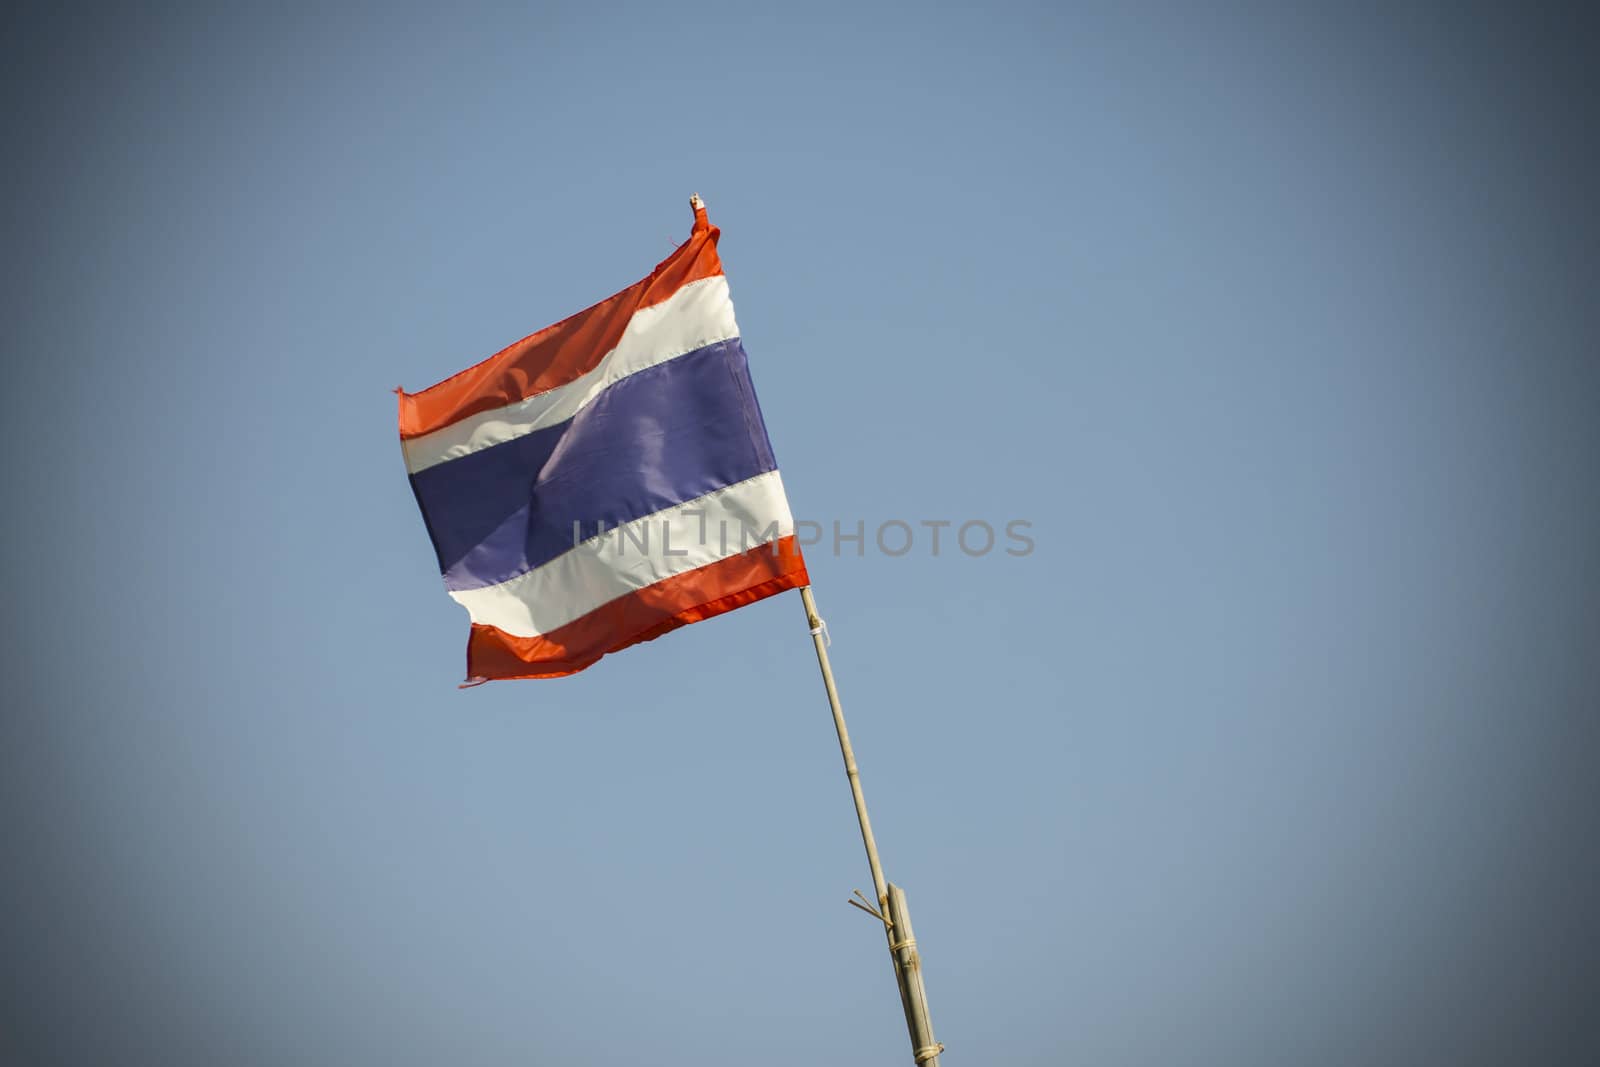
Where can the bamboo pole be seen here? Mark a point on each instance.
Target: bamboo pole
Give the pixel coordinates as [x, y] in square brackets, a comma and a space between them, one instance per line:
[908, 965]
[912, 999]
[880, 889]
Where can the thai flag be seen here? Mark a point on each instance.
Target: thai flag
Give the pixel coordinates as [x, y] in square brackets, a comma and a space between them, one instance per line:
[605, 480]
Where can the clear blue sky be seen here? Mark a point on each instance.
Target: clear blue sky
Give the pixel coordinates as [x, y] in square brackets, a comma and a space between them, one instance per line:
[1278, 327]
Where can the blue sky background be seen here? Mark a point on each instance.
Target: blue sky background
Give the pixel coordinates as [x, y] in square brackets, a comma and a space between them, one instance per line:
[1278, 326]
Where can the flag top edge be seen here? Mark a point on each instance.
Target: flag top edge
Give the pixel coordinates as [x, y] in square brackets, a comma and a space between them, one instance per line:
[561, 352]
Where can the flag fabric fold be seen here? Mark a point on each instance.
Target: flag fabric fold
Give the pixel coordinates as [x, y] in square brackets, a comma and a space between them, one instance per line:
[605, 480]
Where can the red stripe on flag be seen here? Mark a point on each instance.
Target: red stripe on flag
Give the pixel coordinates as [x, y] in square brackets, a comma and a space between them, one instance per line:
[556, 354]
[644, 615]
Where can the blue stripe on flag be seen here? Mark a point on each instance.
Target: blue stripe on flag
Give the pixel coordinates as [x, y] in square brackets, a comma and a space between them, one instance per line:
[663, 436]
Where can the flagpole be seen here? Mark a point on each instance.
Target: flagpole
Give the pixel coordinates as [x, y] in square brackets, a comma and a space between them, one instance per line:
[902, 951]
[819, 638]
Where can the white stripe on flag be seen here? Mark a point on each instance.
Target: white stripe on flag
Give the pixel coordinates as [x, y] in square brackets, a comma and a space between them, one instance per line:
[699, 314]
[716, 526]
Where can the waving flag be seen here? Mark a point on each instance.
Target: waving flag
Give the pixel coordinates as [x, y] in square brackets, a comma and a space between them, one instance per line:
[605, 480]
